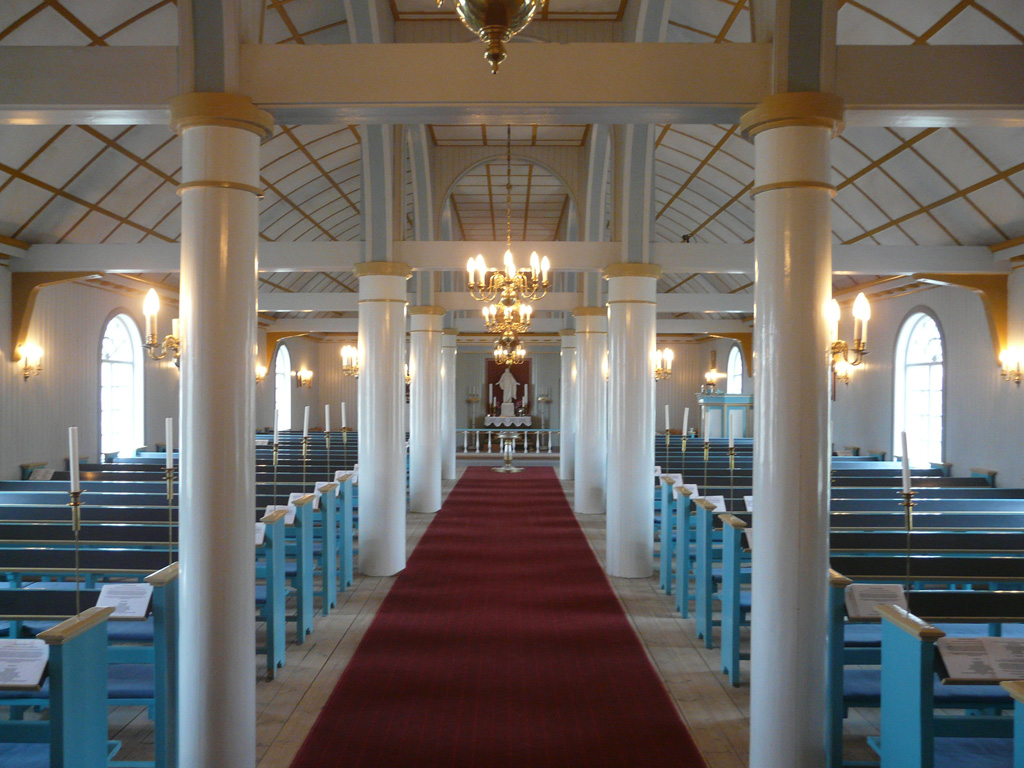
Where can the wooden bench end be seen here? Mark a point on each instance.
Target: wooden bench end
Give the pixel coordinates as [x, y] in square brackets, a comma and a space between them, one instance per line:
[75, 626]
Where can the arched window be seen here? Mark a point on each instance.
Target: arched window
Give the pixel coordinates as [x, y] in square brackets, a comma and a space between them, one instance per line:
[121, 403]
[918, 389]
[283, 387]
[734, 372]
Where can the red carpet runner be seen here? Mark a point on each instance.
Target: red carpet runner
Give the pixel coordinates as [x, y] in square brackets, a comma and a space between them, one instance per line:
[501, 644]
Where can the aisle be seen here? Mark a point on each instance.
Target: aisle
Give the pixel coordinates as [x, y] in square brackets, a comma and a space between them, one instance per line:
[501, 644]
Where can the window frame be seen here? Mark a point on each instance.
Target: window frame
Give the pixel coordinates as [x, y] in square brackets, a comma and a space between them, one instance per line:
[282, 383]
[904, 335]
[138, 382]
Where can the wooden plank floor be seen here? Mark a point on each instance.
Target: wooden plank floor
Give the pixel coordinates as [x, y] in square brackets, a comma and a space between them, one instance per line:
[716, 713]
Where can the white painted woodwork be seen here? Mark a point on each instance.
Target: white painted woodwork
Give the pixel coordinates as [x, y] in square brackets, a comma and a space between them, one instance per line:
[381, 414]
[449, 407]
[591, 414]
[791, 480]
[425, 392]
[630, 503]
[218, 484]
[567, 413]
[712, 258]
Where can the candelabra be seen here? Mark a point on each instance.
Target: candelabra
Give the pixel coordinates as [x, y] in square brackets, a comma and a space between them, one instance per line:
[509, 350]
[663, 363]
[515, 317]
[171, 344]
[495, 22]
[1010, 361]
[31, 359]
[350, 361]
[845, 356]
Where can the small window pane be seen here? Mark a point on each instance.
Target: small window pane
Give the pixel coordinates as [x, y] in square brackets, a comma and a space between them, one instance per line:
[121, 397]
[918, 392]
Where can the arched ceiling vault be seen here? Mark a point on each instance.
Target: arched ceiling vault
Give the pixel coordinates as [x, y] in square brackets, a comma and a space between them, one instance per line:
[116, 184]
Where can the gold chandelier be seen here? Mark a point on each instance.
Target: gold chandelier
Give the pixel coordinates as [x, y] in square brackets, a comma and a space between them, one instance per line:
[495, 22]
[509, 350]
[507, 290]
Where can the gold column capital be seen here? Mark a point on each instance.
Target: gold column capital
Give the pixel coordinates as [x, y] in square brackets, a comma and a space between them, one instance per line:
[228, 109]
[426, 310]
[823, 110]
[392, 268]
[589, 311]
[631, 269]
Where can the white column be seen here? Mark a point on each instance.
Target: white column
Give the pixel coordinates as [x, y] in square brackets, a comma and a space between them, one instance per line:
[220, 138]
[382, 303]
[567, 407]
[632, 317]
[591, 407]
[425, 390]
[449, 354]
[793, 251]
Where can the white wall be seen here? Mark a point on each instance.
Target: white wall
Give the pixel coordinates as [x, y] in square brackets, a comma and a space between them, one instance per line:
[34, 415]
[984, 415]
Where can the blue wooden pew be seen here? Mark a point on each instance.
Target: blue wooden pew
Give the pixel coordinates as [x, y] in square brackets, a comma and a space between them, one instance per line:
[75, 736]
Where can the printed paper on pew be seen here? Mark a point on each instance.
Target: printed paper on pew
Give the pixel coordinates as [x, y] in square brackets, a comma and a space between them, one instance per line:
[748, 532]
[316, 493]
[861, 599]
[691, 487]
[41, 474]
[657, 471]
[748, 502]
[261, 534]
[718, 501]
[262, 442]
[289, 519]
[23, 664]
[129, 601]
[981, 659]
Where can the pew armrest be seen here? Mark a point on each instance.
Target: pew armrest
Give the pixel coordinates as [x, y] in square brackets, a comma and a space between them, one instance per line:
[1015, 688]
[945, 466]
[733, 521]
[304, 500]
[164, 576]
[328, 488]
[909, 623]
[837, 580]
[706, 505]
[665, 480]
[75, 626]
[988, 474]
[273, 517]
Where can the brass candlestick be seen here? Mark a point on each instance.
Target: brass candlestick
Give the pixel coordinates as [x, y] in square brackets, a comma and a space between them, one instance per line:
[682, 467]
[707, 451]
[732, 467]
[76, 526]
[169, 477]
[327, 439]
[277, 446]
[305, 459]
[908, 521]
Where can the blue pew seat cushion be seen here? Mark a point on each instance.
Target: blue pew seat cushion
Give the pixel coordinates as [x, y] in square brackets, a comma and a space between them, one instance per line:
[124, 681]
[24, 756]
[976, 753]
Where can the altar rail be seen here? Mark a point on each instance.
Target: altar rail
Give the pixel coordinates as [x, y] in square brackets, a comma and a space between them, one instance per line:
[527, 440]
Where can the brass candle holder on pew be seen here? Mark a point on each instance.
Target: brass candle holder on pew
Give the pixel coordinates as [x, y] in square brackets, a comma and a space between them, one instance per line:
[169, 478]
[327, 439]
[668, 443]
[277, 447]
[732, 469]
[305, 458]
[908, 521]
[76, 526]
[707, 452]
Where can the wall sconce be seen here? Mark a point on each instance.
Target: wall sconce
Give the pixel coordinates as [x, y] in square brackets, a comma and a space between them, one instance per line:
[350, 361]
[261, 372]
[303, 378]
[31, 359]
[663, 363]
[712, 376]
[605, 368]
[1010, 359]
[171, 343]
[845, 357]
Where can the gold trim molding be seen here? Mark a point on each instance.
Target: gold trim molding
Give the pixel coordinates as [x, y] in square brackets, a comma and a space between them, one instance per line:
[781, 110]
[631, 269]
[794, 185]
[589, 311]
[392, 268]
[220, 185]
[427, 310]
[567, 332]
[232, 110]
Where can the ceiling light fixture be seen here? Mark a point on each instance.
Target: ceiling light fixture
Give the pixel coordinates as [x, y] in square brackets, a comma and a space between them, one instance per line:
[495, 22]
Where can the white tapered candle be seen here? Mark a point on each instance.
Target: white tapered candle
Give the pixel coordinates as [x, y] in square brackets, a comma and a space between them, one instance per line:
[277, 415]
[169, 439]
[76, 483]
[305, 422]
[666, 417]
[732, 441]
[344, 424]
[686, 420]
[327, 417]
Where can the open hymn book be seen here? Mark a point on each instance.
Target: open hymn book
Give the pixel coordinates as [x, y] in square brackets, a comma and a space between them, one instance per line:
[861, 599]
[23, 664]
[981, 659]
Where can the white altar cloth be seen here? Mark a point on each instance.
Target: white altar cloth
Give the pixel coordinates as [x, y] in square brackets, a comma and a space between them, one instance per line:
[507, 421]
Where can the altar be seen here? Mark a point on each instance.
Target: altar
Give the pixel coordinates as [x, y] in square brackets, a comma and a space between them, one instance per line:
[504, 422]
